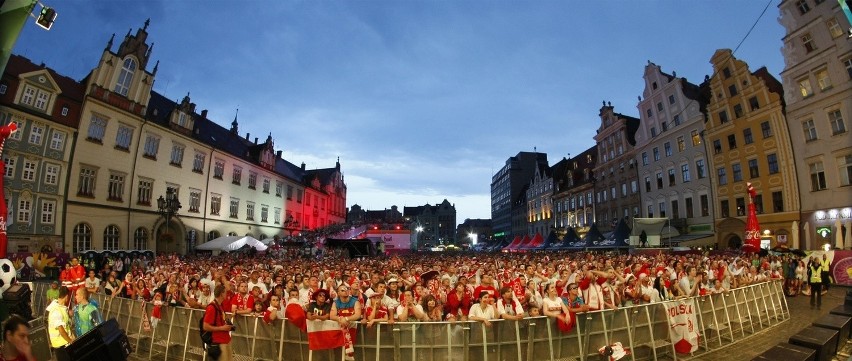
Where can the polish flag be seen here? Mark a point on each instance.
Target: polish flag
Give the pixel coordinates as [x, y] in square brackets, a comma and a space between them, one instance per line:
[323, 335]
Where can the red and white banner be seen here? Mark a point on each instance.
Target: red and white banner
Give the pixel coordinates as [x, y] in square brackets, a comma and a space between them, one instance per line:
[323, 335]
[683, 325]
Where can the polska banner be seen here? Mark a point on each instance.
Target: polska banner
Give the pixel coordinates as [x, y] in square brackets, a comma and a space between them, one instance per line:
[683, 325]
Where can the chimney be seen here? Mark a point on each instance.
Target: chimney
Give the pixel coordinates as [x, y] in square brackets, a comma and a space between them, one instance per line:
[247, 136]
[204, 113]
[303, 165]
[278, 154]
[255, 140]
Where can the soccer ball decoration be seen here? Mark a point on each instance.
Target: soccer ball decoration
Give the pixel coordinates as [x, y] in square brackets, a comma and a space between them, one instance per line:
[7, 275]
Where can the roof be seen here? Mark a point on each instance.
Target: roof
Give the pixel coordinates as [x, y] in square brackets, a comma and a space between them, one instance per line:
[70, 88]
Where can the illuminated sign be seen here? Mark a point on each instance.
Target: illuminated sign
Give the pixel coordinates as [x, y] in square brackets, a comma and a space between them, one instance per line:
[824, 231]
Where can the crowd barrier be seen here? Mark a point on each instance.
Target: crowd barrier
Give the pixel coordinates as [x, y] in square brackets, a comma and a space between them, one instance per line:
[722, 319]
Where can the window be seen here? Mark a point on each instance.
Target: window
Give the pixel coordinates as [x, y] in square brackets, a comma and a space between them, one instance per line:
[29, 170]
[299, 195]
[143, 191]
[726, 72]
[835, 118]
[152, 145]
[765, 129]
[125, 78]
[194, 200]
[738, 111]
[732, 141]
[732, 89]
[662, 206]
[656, 153]
[47, 210]
[51, 174]
[644, 158]
[753, 103]
[671, 99]
[36, 133]
[116, 186]
[668, 147]
[675, 209]
[848, 64]
[689, 211]
[653, 132]
[696, 138]
[808, 42]
[634, 186]
[803, 6]
[111, 235]
[777, 202]
[177, 155]
[747, 137]
[684, 172]
[249, 211]
[277, 216]
[740, 206]
[9, 163]
[290, 192]
[19, 121]
[758, 203]
[219, 169]
[817, 176]
[252, 182]
[87, 182]
[665, 126]
[198, 163]
[753, 170]
[97, 127]
[28, 96]
[237, 176]
[212, 235]
[834, 28]
[650, 211]
[266, 184]
[723, 117]
[264, 213]
[659, 180]
[64, 111]
[699, 168]
[647, 184]
[805, 87]
[649, 112]
[676, 119]
[823, 81]
[140, 239]
[844, 168]
[57, 141]
[725, 208]
[659, 106]
[279, 188]
[215, 204]
[772, 161]
[737, 172]
[612, 193]
[235, 207]
[24, 211]
[3, 88]
[41, 100]
[810, 130]
[681, 144]
[123, 137]
[705, 205]
[82, 238]
[671, 177]
[722, 175]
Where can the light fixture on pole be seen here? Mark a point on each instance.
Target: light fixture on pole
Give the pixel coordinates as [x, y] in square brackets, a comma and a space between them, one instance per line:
[168, 207]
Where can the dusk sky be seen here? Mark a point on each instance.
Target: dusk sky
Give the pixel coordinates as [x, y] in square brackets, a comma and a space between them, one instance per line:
[421, 100]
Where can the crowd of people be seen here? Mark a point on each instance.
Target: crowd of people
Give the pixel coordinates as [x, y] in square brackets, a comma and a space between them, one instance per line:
[428, 287]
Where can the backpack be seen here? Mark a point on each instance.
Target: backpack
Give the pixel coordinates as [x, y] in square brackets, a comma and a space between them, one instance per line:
[207, 336]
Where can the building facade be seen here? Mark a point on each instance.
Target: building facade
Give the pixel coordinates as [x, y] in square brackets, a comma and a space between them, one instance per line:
[748, 136]
[539, 200]
[671, 157]
[616, 181]
[818, 95]
[433, 224]
[46, 108]
[474, 231]
[574, 193]
[508, 212]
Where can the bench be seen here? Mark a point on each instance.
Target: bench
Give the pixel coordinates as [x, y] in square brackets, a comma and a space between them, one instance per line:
[822, 340]
[787, 352]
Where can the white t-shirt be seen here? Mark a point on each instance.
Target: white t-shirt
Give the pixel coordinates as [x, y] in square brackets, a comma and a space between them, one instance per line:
[476, 311]
[259, 284]
[554, 305]
[93, 283]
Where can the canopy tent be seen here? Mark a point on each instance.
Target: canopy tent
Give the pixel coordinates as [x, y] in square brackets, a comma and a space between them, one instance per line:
[617, 238]
[524, 242]
[231, 243]
[657, 230]
[551, 239]
[267, 241]
[569, 238]
[593, 237]
[515, 243]
[535, 242]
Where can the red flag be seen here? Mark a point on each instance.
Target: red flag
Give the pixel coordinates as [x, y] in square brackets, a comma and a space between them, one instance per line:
[296, 314]
[752, 230]
[5, 132]
[324, 335]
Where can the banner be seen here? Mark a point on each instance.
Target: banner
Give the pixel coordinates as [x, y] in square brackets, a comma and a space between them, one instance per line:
[323, 335]
[683, 325]
[841, 267]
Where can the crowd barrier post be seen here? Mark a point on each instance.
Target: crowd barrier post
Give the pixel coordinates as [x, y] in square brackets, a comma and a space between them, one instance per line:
[716, 326]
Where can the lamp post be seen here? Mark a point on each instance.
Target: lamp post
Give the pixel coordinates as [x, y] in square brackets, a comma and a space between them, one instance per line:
[417, 236]
[168, 207]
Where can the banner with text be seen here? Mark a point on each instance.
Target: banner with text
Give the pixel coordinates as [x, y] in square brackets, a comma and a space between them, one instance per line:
[683, 325]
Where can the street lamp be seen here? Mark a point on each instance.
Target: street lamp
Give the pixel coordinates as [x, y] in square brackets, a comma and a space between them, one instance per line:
[417, 236]
[168, 207]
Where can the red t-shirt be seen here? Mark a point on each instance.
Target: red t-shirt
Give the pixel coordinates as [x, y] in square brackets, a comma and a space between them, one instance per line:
[216, 318]
[242, 302]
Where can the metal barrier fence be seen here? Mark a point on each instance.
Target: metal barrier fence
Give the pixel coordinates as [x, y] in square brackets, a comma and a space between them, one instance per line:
[723, 319]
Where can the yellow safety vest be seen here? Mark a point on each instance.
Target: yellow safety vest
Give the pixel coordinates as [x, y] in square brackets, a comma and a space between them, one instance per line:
[826, 264]
[56, 339]
[816, 275]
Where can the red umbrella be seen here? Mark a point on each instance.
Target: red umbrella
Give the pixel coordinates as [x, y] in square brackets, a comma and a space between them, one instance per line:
[752, 229]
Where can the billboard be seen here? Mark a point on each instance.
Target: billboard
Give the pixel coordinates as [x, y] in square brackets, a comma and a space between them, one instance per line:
[395, 240]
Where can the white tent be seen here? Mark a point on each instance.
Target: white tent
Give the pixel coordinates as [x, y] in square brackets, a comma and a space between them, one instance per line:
[231, 243]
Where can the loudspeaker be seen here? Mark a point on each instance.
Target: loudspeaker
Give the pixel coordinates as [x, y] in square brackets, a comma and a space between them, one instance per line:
[17, 292]
[105, 342]
[18, 300]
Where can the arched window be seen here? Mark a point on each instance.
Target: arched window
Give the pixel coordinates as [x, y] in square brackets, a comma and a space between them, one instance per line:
[140, 239]
[262, 237]
[125, 77]
[111, 238]
[212, 235]
[82, 238]
[232, 233]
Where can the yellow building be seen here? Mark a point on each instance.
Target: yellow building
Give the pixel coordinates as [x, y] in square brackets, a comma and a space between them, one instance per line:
[749, 142]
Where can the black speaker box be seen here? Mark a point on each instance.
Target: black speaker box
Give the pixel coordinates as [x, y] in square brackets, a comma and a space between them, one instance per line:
[17, 292]
[106, 342]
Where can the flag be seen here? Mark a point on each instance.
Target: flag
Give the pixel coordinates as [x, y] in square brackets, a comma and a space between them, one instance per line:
[683, 325]
[324, 335]
[296, 314]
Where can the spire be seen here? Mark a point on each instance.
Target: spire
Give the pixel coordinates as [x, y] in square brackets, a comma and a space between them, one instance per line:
[337, 166]
[234, 124]
[157, 65]
[147, 22]
[109, 43]
[269, 138]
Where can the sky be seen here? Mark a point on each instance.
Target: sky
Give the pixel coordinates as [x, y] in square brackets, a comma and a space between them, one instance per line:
[421, 100]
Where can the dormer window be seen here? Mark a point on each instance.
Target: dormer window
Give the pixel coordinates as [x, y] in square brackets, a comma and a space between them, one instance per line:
[35, 97]
[125, 77]
[181, 119]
